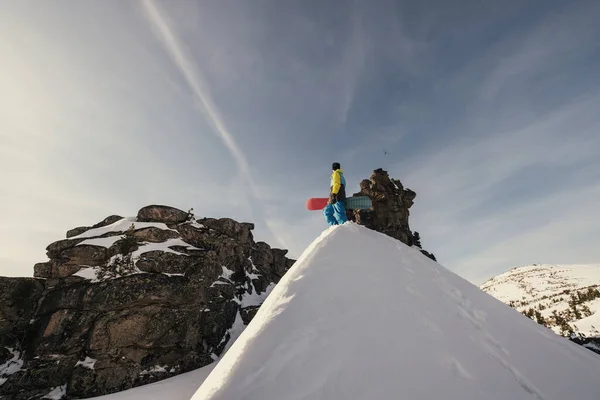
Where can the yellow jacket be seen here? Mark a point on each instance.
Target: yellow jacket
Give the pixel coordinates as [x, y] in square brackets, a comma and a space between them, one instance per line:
[337, 180]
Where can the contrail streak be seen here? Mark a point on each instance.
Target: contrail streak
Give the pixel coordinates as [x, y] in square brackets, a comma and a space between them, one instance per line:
[156, 17]
[196, 82]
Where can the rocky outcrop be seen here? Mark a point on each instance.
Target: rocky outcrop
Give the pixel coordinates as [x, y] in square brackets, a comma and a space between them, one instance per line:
[166, 214]
[390, 211]
[130, 301]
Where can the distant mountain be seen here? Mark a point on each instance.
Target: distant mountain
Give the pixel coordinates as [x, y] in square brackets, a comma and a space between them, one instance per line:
[565, 298]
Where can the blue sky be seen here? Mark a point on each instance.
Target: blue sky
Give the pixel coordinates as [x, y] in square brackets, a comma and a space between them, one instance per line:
[488, 110]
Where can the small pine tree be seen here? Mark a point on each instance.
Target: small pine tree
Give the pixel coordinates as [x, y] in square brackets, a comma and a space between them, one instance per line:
[575, 300]
[129, 242]
[566, 329]
[540, 318]
[417, 240]
[190, 214]
[562, 323]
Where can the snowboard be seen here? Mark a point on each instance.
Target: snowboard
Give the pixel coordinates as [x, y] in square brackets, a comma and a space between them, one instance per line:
[354, 202]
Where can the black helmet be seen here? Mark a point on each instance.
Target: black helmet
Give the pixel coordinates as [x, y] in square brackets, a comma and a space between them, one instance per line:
[335, 166]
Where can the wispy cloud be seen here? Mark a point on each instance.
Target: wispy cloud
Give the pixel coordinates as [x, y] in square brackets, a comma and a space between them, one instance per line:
[193, 76]
[352, 63]
[560, 228]
[517, 184]
[185, 63]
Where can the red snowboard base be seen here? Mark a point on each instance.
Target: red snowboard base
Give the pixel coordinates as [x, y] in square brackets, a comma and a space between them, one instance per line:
[351, 203]
[316, 203]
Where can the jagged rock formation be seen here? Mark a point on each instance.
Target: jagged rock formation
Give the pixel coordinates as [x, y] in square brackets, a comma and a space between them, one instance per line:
[129, 301]
[390, 211]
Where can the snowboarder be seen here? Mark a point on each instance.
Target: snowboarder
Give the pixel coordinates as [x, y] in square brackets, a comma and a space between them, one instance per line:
[335, 212]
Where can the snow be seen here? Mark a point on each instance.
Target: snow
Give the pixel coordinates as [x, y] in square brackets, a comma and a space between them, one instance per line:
[121, 225]
[534, 281]
[163, 246]
[10, 367]
[255, 274]
[102, 242]
[90, 273]
[57, 393]
[155, 369]
[362, 316]
[592, 346]
[234, 333]
[87, 363]
[256, 299]
[198, 225]
[542, 287]
[226, 273]
[180, 387]
[590, 325]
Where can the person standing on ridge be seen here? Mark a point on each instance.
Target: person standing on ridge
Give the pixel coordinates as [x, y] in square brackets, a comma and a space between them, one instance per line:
[335, 210]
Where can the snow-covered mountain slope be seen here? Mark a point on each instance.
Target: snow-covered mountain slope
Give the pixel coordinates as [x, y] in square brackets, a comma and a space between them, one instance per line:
[180, 387]
[565, 298]
[362, 316]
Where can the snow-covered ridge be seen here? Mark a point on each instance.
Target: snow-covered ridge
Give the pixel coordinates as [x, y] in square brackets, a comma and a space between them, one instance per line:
[566, 298]
[363, 316]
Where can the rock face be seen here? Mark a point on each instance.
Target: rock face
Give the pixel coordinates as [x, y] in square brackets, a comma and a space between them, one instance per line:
[390, 211]
[130, 301]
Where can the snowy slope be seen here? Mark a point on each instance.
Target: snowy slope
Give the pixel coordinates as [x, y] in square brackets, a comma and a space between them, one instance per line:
[362, 316]
[568, 291]
[180, 387]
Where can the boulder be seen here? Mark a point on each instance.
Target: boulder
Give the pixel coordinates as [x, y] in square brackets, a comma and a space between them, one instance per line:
[240, 231]
[54, 249]
[164, 214]
[160, 262]
[197, 237]
[85, 255]
[45, 270]
[391, 203]
[390, 211]
[154, 235]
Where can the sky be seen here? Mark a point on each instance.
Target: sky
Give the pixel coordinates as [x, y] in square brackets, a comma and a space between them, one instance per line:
[488, 110]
